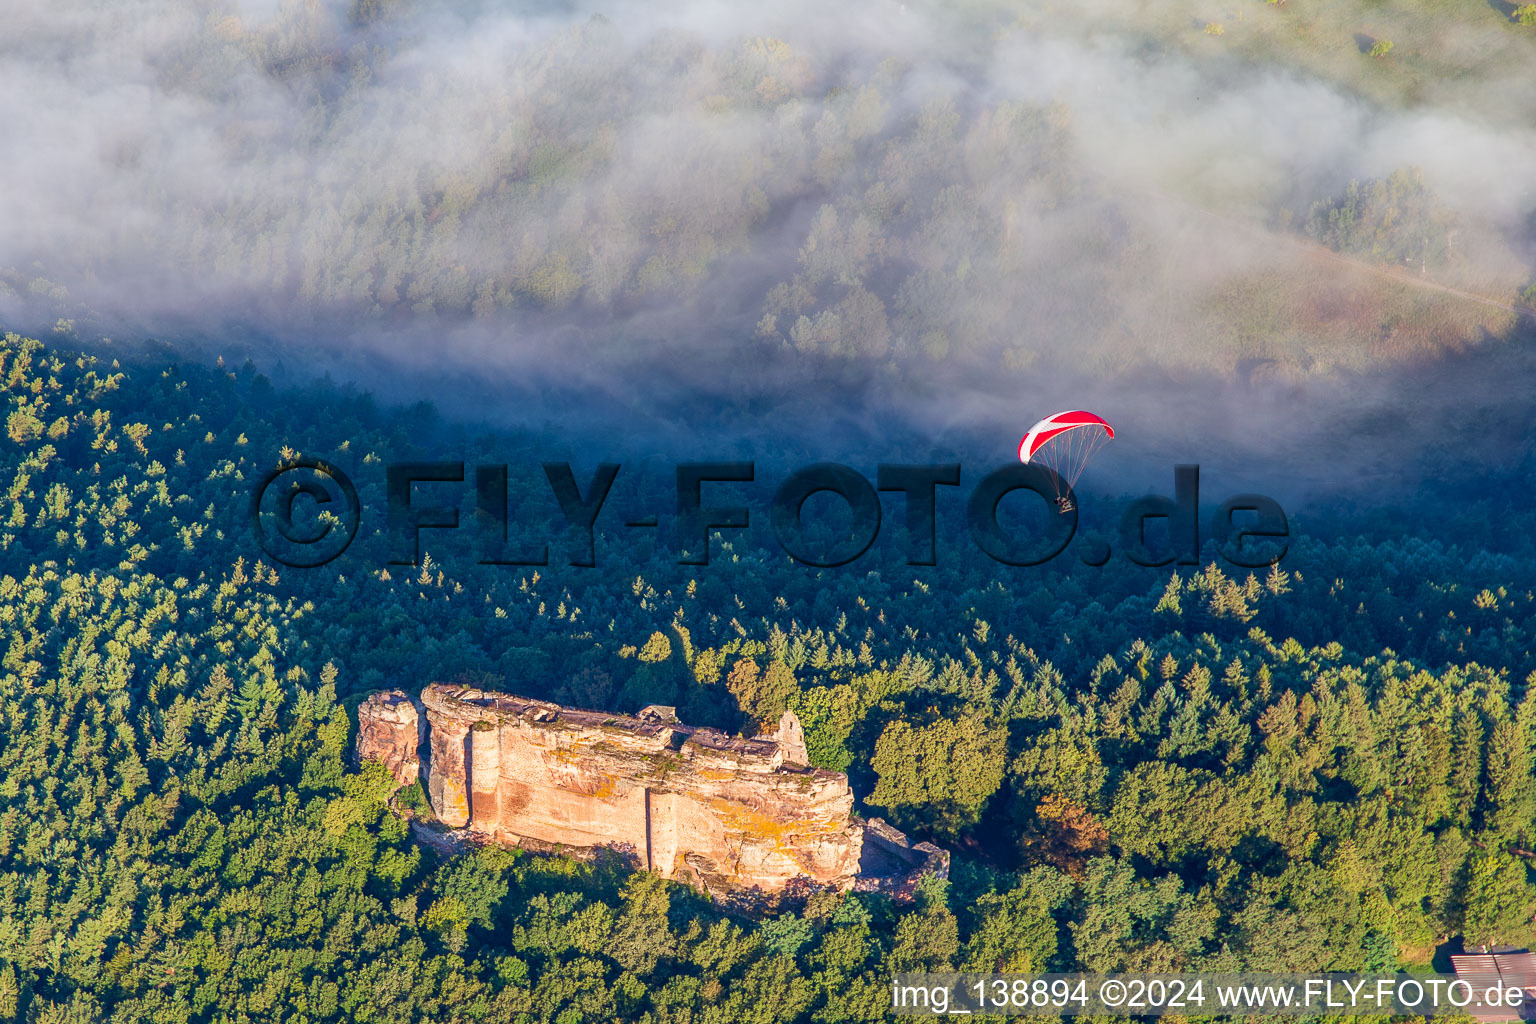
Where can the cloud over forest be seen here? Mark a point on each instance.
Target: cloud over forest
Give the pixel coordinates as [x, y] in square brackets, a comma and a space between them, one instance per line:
[934, 204]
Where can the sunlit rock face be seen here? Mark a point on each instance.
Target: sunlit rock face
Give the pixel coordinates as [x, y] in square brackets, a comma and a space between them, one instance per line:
[725, 813]
[390, 730]
[691, 804]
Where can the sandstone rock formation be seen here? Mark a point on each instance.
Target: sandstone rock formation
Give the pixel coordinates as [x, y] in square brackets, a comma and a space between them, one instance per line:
[391, 731]
[726, 813]
[892, 865]
[791, 739]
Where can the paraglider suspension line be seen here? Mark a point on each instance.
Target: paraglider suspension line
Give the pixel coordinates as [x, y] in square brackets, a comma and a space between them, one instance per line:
[1067, 453]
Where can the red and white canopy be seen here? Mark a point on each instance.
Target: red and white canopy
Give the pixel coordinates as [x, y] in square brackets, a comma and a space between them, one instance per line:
[1055, 425]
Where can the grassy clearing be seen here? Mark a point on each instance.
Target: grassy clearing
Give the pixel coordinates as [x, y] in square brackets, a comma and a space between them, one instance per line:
[1467, 55]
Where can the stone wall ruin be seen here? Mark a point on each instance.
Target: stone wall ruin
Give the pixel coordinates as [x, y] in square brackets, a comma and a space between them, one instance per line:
[724, 813]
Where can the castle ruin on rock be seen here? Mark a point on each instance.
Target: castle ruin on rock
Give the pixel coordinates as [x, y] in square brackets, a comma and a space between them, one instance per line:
[725, 813]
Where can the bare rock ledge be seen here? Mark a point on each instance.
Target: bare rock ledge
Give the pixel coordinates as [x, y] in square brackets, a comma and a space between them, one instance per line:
[724, 813]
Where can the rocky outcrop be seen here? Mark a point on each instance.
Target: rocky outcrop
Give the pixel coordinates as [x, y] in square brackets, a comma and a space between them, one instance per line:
[692, 804]
[892, 865]
[726, 813]
[390, 730]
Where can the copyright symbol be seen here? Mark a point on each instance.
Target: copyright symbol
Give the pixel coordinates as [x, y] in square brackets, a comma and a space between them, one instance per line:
[1112, 992]
[325, 534]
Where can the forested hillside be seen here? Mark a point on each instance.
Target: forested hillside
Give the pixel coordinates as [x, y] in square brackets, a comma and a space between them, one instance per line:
[1324, 766]
[955, 189]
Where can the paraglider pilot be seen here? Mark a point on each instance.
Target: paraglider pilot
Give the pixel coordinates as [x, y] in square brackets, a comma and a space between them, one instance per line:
[1064, 442]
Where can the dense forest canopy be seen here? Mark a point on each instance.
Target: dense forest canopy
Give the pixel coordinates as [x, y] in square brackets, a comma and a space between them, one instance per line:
[1326, 765]
[1292, 241]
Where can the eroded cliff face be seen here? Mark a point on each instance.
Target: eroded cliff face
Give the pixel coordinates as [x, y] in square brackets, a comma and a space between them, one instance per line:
[691, 804]
[390, 730]
[726, 813]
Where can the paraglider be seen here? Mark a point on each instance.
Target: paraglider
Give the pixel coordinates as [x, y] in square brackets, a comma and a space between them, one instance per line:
[1064, 442]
